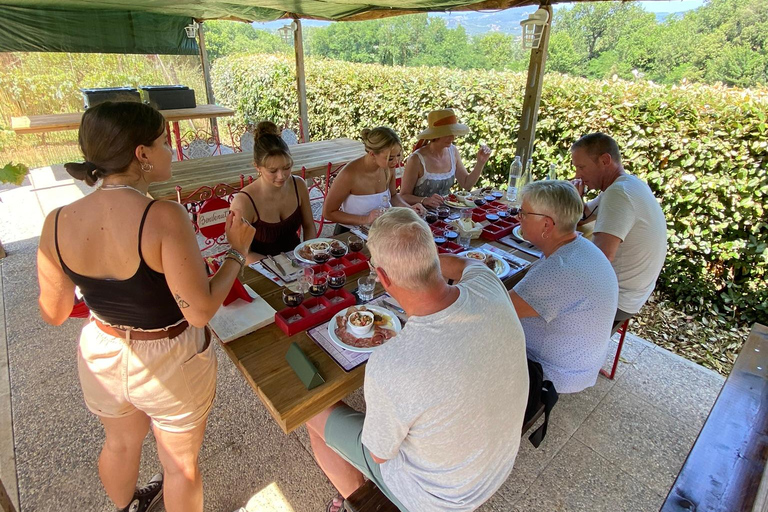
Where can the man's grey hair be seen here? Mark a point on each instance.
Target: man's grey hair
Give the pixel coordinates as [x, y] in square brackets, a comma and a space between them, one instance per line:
[556, 198]
[596, 144]
[402, 244]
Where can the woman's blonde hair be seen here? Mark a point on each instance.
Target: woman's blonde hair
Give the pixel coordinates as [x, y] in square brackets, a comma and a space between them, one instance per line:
[379, 139]
[557, 198]
[268, 143]
[402, 245]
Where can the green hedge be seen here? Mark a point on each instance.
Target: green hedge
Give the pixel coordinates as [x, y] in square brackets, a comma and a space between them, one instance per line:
[702, 149]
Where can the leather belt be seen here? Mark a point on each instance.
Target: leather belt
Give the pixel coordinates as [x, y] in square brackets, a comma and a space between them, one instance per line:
[170, 332]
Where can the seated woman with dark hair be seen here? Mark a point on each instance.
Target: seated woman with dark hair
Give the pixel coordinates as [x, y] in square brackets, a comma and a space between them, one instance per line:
[277, 203]
[366, 186]
[567, 300]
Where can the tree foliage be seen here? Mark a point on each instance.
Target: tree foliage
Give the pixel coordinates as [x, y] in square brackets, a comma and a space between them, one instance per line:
[231, 37]
[722, 41]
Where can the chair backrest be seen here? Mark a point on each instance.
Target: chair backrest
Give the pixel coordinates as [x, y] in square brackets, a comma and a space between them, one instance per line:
[207, 208]
[246, 142]
[199, 148]
[289, 136]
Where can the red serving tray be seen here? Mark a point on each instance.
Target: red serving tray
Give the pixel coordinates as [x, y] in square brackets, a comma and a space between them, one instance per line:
[478, 213]
[438, 226]
[310, 319]
[498, 229]
[351, 263]
[450, 248]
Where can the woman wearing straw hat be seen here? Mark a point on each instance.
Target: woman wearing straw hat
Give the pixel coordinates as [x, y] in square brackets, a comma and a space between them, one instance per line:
[430, 176]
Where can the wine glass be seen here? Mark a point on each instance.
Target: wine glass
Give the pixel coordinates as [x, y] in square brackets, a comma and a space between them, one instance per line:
[319, 284]
[337, 279]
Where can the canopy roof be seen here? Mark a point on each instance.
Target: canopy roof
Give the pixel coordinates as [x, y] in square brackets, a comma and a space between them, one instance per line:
[268, 10]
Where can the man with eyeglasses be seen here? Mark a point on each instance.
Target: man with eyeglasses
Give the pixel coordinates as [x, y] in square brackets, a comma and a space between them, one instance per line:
[630, 227]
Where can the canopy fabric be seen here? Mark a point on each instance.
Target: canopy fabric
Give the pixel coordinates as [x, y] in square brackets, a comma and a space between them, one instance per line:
[28, 29]
[269, 10]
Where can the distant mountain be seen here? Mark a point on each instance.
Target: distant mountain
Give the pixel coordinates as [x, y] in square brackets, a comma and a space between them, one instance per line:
[506, 21]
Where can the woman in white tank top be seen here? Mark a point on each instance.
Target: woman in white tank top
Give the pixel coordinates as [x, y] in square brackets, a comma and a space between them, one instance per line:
[437, 165]
[366, 186]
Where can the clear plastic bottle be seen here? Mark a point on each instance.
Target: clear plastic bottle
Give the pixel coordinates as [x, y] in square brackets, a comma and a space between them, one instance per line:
[515, 173]
[552, 172]
[529, 169]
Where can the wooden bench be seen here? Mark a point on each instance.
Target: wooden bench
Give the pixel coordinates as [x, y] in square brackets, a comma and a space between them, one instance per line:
[725, 469]
[368, 498]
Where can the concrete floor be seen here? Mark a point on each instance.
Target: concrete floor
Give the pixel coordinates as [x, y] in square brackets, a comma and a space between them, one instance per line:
[617, 446]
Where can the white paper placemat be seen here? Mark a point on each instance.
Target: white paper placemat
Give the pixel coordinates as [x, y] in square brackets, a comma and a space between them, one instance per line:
[347, 359]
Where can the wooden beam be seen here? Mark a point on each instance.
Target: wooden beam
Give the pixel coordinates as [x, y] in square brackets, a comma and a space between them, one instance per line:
[301, 86]
[530, 113]
[211, 100]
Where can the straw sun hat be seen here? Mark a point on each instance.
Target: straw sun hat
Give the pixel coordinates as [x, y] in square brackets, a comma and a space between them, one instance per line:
[443, 123]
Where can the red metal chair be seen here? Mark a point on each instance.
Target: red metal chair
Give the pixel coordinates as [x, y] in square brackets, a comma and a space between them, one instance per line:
[323, 185]
[623, 331]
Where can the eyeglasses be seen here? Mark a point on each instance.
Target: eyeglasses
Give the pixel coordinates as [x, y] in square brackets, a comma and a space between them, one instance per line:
[522, 214]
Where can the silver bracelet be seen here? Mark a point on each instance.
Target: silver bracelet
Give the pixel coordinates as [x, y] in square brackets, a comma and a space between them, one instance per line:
[235, 255]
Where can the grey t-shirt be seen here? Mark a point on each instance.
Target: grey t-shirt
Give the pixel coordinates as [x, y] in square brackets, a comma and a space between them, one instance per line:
[445, 399]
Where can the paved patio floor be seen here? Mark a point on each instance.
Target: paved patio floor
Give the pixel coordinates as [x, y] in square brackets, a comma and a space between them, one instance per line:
[615, 447]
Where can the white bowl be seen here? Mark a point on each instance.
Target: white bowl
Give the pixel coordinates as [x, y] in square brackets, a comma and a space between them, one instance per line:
[476, 255]
[317, 247]
[360, 330]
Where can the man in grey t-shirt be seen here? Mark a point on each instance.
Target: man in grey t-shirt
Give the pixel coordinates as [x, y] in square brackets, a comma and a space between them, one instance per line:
[445, 399]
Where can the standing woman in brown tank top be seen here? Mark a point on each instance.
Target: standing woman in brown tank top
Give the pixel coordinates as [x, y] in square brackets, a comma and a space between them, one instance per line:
[144, 356]
[277, 203]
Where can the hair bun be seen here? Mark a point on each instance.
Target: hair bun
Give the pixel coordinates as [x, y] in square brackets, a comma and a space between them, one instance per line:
[86, 171]
[364, 134]
[265, 128]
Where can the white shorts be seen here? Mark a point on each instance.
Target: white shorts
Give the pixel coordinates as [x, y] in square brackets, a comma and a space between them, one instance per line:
[173, 381]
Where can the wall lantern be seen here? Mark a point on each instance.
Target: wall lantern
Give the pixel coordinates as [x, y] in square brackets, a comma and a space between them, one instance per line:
[286, 32]
[533, 28]
[191, 30]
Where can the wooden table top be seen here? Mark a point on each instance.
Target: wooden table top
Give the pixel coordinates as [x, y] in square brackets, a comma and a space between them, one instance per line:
[260, 357]
[58, 122]
[212, 170]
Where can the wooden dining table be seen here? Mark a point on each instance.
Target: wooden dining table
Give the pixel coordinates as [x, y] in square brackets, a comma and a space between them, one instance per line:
[260, 357]
[45, 123]
[192, 174]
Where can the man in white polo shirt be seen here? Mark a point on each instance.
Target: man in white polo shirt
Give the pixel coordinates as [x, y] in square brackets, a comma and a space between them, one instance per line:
[630, 227]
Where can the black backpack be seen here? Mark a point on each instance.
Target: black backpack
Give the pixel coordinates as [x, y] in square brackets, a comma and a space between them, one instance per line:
[540, 392]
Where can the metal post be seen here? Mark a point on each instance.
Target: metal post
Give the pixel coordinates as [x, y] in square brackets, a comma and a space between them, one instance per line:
[301, 86]
[530, 114]
[211, 100]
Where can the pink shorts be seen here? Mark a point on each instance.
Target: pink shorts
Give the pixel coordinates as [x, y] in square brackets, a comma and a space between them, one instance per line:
[173, 381]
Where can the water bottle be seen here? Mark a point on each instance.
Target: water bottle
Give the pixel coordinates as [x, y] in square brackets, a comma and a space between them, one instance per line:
[515, 172]
[552, 172]
[529, 169]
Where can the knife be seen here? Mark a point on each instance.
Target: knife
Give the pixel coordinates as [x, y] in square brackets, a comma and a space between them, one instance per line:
[278, 265]
[396, 308]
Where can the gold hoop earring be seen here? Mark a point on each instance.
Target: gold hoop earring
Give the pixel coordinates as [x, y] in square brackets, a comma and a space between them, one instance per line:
[146, 166]
[544, 235]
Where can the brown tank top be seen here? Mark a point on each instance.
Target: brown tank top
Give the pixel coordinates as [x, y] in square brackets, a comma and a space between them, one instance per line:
[272, 238]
